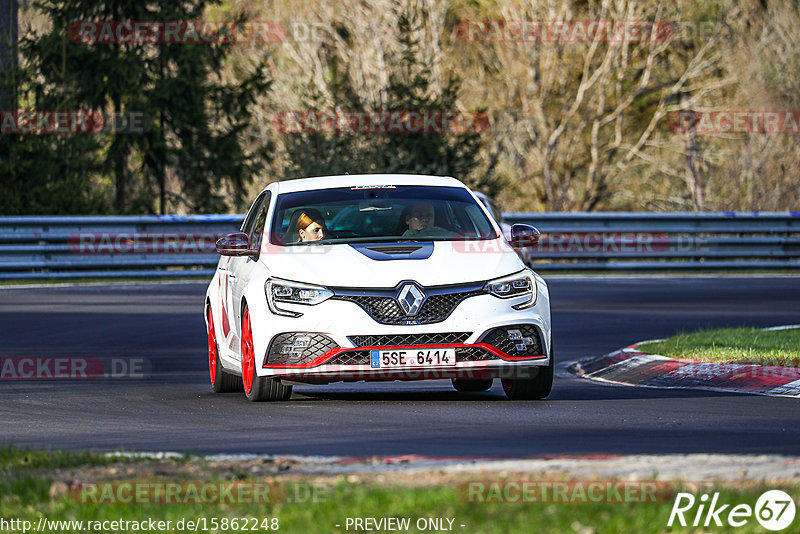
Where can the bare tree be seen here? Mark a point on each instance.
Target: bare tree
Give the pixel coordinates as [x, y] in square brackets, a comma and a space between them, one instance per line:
[592, 109]
[579, 124]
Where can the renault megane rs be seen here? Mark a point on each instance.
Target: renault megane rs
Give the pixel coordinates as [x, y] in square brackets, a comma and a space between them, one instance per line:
[376, 277]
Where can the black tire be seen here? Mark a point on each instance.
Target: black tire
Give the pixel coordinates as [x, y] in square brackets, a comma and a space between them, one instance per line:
[538, 387]
[227, 382]
[262, 388]
[221, 380]
[268, 389]
[471, 386]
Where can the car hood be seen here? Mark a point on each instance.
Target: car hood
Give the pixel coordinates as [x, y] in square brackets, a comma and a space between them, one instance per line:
[342, 265]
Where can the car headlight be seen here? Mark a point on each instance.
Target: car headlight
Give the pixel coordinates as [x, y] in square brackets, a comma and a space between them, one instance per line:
[294, 293]
[515, 285]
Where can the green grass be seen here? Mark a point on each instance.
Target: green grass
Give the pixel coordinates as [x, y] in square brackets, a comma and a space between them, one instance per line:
[741, 345]
[33, 486]
[16, 459]
[30, 500]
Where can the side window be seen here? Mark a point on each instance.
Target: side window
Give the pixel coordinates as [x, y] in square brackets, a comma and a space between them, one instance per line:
[496, 212]
[260, 222]
[249, 221]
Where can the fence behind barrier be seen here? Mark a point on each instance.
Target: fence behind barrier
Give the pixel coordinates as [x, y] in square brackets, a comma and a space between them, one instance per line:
[170, 246]
[664, 241]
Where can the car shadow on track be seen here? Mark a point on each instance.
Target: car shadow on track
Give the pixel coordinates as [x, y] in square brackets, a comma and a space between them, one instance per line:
[574, 390]
[412, 396]
[496, 394]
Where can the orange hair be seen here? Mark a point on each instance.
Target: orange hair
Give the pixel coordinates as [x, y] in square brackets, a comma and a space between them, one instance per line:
[306, 218]
[303, 222]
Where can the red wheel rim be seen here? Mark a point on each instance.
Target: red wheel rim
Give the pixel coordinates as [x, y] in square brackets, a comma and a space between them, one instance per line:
[248, 354]
[212, 349]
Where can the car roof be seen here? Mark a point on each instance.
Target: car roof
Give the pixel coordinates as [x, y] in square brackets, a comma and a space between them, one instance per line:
[362, 180]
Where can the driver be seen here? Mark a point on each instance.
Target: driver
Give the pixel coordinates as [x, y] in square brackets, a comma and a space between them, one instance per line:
[420, 221]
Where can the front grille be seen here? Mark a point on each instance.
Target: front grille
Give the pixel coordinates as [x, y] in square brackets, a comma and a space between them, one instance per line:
[355, 357]
[439, 307]
[516, 340]
[385, 310]
[474, 354]
[409, 339]
[297, 348]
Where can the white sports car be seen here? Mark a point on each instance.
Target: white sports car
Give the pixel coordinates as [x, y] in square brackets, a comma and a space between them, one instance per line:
[376, 277]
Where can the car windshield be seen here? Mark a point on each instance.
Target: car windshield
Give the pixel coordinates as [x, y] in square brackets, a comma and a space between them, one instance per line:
[378, 214]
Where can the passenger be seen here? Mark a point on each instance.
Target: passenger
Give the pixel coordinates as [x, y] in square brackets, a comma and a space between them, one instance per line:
[419, 219]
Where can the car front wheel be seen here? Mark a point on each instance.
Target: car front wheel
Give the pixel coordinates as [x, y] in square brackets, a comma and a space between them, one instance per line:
[257, 388]
[538, 387]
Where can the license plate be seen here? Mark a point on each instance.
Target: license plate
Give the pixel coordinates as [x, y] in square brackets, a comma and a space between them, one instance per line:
[389, 359]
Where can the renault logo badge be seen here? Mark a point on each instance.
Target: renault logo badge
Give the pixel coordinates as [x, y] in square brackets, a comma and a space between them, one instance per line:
[410, 298]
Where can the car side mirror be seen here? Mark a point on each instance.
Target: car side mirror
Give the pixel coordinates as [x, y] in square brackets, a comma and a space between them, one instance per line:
[524, 235]
[235, 244]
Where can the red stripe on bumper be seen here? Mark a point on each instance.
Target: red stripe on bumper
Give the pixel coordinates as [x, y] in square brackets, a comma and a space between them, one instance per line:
[322, 359]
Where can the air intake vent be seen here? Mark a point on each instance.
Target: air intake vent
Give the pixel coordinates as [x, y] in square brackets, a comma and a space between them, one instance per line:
[516, 340]
[296, 348]
[409, 339]
[397, 249]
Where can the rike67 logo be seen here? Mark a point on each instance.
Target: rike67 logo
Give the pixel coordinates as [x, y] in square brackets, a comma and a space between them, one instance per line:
[774, 510]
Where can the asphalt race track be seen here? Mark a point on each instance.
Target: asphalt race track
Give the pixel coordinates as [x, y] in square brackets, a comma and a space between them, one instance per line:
[174, 409]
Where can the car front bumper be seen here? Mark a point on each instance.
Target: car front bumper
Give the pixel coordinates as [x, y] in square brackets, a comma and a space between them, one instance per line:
[352, 334]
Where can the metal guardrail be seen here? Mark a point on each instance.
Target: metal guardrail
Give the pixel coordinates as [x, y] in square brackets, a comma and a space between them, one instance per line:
[664, 241]
[177, 246]
[33, 247]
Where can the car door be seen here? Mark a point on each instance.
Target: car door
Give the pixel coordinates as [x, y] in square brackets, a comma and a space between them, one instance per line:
[243, 266]
[229, 282]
